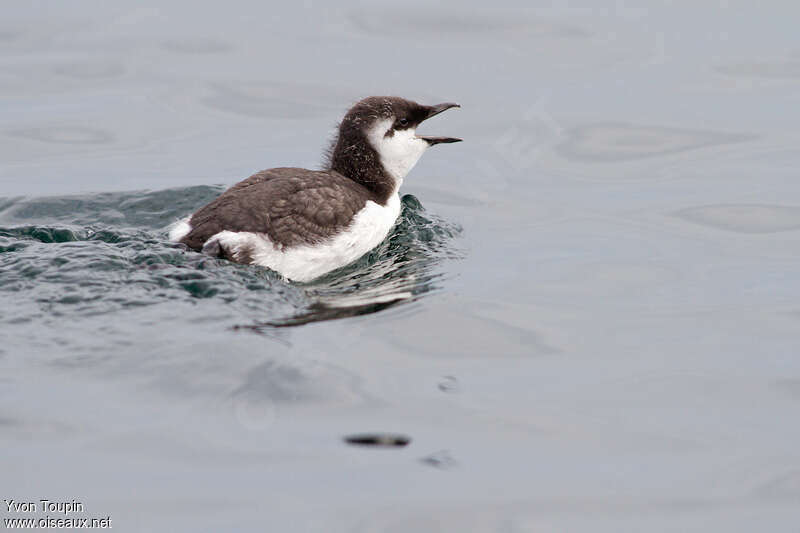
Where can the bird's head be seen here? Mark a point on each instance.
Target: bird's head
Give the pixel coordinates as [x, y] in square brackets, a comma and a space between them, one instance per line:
[386, 126]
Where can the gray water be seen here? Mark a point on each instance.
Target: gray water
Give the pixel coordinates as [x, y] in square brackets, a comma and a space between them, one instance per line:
[586, 320]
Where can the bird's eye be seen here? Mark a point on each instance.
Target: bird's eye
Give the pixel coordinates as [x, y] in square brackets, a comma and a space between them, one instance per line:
[403, 122]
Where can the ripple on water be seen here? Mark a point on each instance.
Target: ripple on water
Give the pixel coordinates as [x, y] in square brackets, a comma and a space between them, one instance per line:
[90, 70]
[197, 46]
[782, 488]
[506, 517]
[95, 254]
[64, 135]
[145, 210]
[788, 69]
[611, 142]
[275, 99]
[298, 381]
[437, 22]
[9, 35]
[466, 333]
[744, 218]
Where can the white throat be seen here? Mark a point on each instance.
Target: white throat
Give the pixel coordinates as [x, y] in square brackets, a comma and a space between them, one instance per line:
[398, 152]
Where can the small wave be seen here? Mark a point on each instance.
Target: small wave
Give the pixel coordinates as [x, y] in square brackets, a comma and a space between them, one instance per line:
[94, 254]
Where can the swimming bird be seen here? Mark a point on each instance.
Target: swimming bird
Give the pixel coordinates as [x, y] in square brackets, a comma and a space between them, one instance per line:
[305, 223]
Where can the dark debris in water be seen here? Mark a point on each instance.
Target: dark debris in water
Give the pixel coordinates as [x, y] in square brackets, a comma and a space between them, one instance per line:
[96, 254]
[378, 440]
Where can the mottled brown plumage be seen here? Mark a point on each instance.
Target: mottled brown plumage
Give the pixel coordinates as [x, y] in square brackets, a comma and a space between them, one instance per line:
[293, 206]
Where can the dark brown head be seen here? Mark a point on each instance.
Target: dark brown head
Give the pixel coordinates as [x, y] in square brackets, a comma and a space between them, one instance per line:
[377, 143]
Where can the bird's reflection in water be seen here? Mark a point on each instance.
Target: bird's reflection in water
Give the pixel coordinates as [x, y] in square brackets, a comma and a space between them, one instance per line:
[400, 270]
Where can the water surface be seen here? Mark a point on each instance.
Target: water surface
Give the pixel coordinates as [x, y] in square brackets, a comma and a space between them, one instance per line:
[586, 320]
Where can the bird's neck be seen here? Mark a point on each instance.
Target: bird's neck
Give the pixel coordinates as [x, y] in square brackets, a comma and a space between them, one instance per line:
[357, 159]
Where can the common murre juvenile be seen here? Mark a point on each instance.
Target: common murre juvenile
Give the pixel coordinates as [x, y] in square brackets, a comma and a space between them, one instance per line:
[304, 223]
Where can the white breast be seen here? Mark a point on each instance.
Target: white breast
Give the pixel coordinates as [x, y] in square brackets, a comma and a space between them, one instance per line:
[369, 228]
